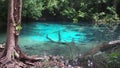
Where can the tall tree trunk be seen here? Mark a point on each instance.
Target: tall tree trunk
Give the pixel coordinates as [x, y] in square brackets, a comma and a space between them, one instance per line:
[10, 41]
[17, 16]
[12, 51]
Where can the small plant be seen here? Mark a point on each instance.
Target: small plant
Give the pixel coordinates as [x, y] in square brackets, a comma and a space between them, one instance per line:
[114, 58]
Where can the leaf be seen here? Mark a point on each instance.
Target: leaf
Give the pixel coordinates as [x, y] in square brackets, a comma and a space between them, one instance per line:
[81, 14]
[75, 20]
[102, 13]
[82, 4]
[18, 27]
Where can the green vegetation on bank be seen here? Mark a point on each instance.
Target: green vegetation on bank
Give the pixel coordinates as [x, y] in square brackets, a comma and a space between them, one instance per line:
[75, 10]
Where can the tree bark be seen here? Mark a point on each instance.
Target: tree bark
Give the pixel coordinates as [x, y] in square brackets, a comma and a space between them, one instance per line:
[10, 41]
[12, 50]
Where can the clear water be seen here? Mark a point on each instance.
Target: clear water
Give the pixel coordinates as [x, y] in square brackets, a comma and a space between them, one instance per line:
[33, 38]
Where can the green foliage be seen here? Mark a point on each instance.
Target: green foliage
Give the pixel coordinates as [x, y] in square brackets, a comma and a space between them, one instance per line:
[70, 12]
[18, 27]
[51, 4]
[108, 60]
[75, 20]
[32, 8]
[114, 58]
[104, 17]
[76, 10]
[81, 14]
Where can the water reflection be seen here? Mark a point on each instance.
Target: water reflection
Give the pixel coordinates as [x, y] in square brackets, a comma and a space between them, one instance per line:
[33, 38]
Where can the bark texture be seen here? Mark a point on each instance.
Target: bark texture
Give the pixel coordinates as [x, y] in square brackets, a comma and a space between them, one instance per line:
[12, 52]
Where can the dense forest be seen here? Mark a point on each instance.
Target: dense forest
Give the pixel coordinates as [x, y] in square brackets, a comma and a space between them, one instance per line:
[67, 10]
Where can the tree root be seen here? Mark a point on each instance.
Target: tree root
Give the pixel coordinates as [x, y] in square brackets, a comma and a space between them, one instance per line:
[12, 64]
[18, 60]
[24, 57]
[4, 61]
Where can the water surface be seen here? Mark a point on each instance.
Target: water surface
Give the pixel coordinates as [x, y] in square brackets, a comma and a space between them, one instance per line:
[33, 38]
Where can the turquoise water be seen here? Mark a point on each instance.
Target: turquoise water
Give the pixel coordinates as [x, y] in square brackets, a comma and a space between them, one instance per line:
[33, 38]
[38, 31]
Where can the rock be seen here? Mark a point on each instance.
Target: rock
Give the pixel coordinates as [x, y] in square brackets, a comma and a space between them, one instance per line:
[114, 42]
[40, 58]
[1, 47]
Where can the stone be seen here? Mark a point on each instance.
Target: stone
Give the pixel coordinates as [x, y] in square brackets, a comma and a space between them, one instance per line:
[114, 42]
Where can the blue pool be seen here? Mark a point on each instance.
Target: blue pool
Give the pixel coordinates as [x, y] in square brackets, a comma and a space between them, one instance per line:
[33, 38]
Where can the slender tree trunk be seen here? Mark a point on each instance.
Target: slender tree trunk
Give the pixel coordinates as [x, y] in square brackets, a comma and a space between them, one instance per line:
[14, 17]
[17, 16]
[12, 51]
[10, 41]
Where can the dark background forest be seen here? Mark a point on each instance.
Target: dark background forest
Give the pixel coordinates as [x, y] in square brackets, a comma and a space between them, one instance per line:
[66, 10]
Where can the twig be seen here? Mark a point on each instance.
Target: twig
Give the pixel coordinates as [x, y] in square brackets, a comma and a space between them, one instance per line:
[59, 36]
[49, 38]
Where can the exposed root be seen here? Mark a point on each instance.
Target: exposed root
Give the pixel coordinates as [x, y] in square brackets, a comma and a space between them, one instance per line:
[19, 60]
[21, 56]
[4, 61]
[13, 64]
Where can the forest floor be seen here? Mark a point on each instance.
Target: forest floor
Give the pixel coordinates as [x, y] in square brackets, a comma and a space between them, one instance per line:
[49, 61]
[84, 61]
[46, 62]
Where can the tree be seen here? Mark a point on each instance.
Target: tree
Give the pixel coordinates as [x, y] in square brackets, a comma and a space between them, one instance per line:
[79, 10]
[32, 9]
[12, 51]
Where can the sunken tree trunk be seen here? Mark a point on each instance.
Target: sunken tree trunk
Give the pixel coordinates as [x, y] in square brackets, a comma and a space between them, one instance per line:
[12, 52]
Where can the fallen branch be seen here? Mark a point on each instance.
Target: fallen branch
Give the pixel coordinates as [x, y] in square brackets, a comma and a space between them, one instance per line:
[59, 36]
[49, 38]
[102, 47]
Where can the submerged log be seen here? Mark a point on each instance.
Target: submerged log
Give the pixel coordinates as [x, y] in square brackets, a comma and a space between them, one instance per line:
[110, 45]
[103, 47]
[59, 37]
[114, 42]
[95, 54]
